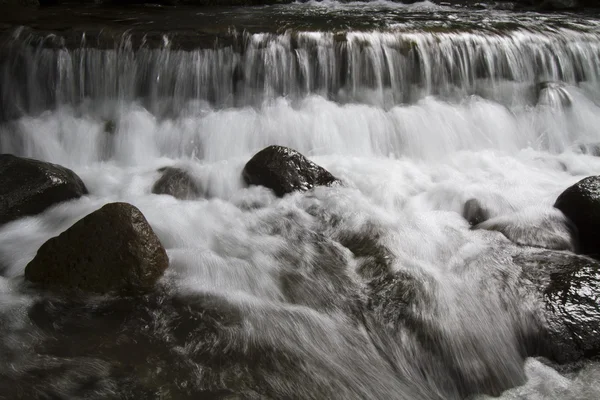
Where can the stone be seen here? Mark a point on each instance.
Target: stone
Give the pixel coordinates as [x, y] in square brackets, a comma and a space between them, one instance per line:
[569, 287]
[28, 187]
[177, 183]
[581, 204]
[284, 171]
[113, 249]
[110, 127]
[474, 212]
[544, 227]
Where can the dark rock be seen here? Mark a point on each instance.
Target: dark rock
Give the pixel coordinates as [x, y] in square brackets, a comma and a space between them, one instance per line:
[110, 126]
[570, 289]
[111, 249]
[28, 187]
[177, 183]
[581, 204]
[474, 212]
[284, 171]
[192, 346]
[484, 207]
[373, 258]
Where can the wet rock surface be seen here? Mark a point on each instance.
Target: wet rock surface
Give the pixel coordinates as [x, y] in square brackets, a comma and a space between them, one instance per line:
[111, 249]
[284, 171]
[177, 183]
[400, 303]
[581, 204]
[569, 287]
[28, 187]
[192, 346]
[345, 299]
[548, 229]
[474, 212]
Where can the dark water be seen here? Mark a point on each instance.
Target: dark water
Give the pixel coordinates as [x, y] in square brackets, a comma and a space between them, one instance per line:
[192, 27]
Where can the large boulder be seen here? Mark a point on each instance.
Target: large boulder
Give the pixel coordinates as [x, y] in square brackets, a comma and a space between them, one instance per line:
[177, 183]
[28, 187]
[569, 286]
[284, 170]
[111, 249]
[581, 204]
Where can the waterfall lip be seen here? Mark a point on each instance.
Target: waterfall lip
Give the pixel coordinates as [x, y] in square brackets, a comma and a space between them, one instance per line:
[202, 27]
[364, 290]
[189, 40]
[382, 68]
[236, 60]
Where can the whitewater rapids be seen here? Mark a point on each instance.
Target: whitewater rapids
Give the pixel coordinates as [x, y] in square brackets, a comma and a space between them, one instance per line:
[414, 122]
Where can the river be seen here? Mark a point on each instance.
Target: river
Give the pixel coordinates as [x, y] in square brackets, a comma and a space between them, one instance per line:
[416, 108]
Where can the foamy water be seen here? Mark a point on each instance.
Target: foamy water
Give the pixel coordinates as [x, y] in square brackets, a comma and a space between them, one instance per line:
[408, 168]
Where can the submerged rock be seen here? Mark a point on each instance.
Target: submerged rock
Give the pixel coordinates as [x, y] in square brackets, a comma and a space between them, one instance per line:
[110, 126]
[484, 207]
[547, 228]
[28, 187]
[474, 212]
[112, 249]
[570, 289]
[581, 204]
[177, 183]
[285, 170]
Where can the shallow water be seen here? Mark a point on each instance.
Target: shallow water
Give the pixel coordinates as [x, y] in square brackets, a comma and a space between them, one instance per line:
[264, 297]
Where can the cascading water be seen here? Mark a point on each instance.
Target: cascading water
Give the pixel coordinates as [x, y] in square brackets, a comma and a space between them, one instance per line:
[417, 109]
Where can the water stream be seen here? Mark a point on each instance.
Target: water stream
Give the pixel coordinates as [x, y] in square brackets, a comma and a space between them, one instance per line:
[417, 109]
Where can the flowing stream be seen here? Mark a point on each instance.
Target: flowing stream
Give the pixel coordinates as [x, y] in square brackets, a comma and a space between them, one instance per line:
[416, 108]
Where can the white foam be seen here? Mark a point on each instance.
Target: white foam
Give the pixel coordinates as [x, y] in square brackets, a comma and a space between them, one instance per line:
[407, 171]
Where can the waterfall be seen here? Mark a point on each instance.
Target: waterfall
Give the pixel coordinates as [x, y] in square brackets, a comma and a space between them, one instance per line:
[540, 88]
[380, 68]
[376, 288]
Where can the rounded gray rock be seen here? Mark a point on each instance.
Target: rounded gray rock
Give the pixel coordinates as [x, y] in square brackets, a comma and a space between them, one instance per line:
[284, 171]
[113, 249]
[28, 187]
